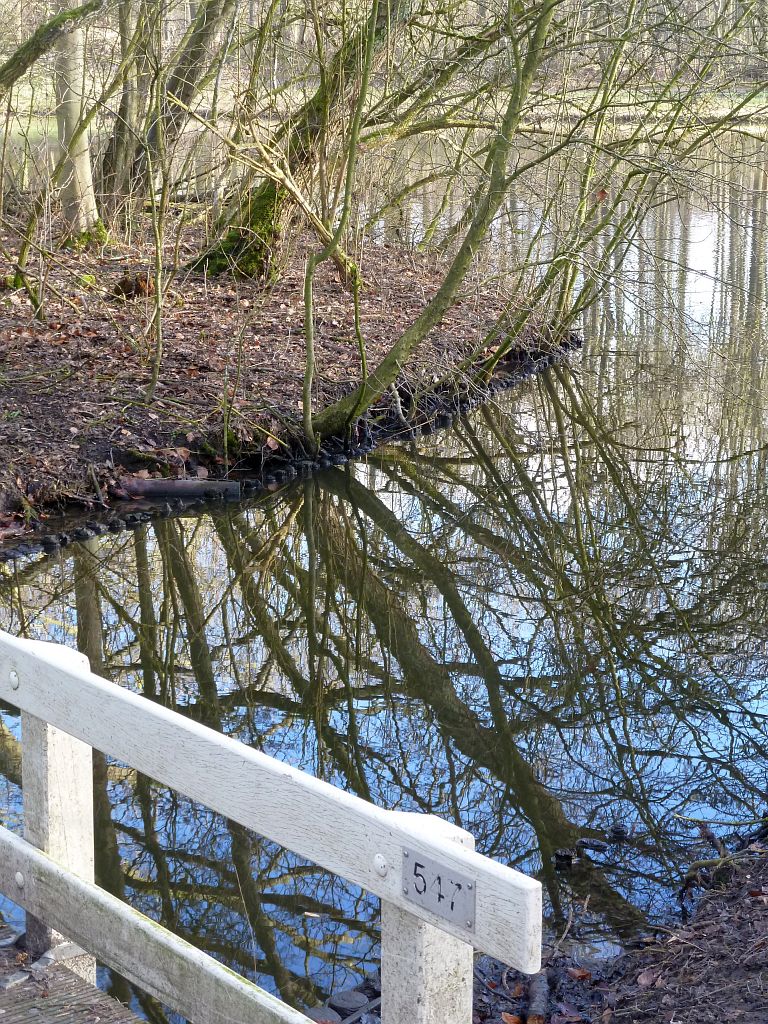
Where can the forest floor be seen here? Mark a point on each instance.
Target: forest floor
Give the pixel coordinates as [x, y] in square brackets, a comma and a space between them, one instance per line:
[74, 413]
[713, 970]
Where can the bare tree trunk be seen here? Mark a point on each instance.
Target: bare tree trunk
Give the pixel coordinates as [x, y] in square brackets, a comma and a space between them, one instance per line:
[256, 222]
[117, 162]
[78, 195]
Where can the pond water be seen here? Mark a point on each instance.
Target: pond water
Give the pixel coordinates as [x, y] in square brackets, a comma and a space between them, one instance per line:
[547, 623]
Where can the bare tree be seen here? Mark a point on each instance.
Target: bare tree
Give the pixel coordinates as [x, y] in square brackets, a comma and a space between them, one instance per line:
[81, 214]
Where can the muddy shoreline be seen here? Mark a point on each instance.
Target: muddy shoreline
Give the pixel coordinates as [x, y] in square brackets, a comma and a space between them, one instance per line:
[127, 501]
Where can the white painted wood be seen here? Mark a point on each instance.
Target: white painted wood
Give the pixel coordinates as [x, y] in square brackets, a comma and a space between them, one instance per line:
[57, 781]
[426, 974]
[154, 959]
[344, 834]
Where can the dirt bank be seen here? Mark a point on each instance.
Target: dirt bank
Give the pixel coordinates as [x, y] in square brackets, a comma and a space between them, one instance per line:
[73, 405]
[711, 971]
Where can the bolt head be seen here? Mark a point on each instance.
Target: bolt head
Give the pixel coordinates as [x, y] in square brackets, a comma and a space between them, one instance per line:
[14, 677]
[19, 879]
[405, 890]
[380, 865]
[469, 924]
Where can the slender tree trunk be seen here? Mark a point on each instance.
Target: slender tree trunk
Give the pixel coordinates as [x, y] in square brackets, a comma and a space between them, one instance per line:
[484, 204]
[198, 55]
[119, 155]
[78, 196]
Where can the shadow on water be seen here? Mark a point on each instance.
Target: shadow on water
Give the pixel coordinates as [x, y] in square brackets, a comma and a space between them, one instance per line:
[549, 625]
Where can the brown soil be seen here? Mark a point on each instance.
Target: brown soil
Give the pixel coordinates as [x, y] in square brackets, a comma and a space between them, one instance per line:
[715, 970]
[712, 971]
[72, 387]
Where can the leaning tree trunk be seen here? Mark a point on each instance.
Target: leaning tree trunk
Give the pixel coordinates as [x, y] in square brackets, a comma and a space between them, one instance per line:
[200, 53]
[81, 214]
[256, 221]
[42, 40]
[487, 200]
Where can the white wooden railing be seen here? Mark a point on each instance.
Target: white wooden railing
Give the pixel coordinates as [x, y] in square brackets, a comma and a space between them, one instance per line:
[439, 897]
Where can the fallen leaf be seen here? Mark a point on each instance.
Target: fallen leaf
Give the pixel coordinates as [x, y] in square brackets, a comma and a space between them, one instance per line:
[646, 978]
[579, 973]
[201, 473]
[511, 1018]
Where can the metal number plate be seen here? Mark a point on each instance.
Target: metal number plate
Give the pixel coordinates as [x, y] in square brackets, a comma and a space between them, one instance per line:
[444, 891]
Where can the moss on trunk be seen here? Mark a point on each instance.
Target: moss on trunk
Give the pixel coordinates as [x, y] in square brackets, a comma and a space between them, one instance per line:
[251, 246]
[92, 237]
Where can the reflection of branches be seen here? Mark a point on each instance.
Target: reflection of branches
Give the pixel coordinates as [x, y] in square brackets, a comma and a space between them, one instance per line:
[429, 682]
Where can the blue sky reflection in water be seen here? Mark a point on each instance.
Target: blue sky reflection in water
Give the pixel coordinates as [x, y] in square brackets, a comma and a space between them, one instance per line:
[543, 624]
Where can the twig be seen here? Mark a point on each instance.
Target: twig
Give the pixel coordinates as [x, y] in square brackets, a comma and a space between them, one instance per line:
[538, 998]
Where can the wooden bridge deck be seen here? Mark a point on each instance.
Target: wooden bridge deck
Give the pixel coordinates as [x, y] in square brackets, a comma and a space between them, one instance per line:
[55, 995]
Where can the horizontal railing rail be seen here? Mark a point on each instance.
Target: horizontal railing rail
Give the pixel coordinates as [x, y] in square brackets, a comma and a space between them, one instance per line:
[431, 881]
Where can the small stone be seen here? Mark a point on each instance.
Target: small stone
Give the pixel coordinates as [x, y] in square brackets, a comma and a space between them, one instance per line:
[82, 533]
[323, 1015]
[564, 858]
[116, 525]
[50, 543]
[349, 1001]
[370, 986]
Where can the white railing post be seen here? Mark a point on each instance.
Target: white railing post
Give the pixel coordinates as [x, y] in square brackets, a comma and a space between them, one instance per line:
[57, 785]
[426, 974]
